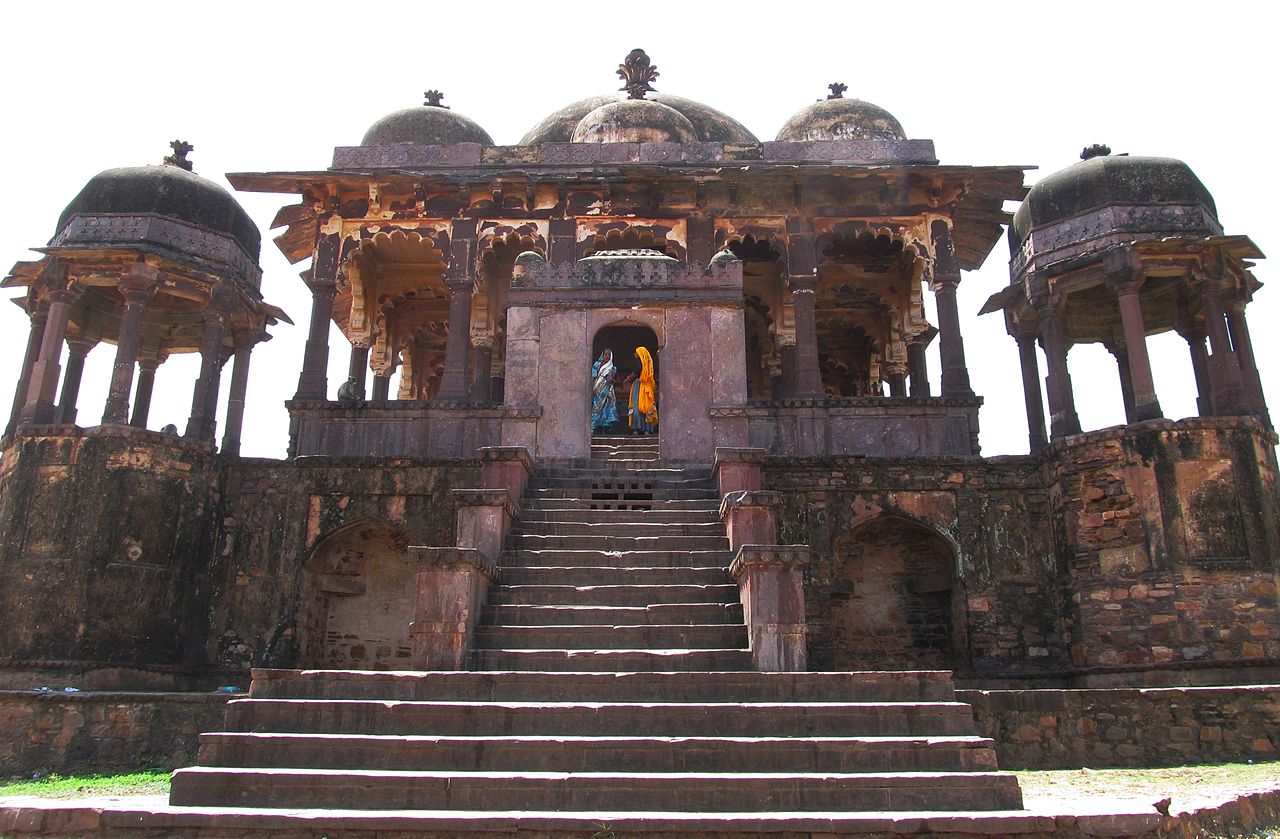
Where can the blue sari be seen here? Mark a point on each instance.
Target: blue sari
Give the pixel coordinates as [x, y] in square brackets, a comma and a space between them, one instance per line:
[604, 404]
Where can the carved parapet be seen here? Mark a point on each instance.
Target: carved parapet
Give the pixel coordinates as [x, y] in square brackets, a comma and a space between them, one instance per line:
[506, 467]
[451, 587]
[771, 585]
[737, 469]
[751, 517]
[483, 519]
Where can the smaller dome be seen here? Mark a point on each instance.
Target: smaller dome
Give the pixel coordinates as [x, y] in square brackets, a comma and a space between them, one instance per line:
[635, 121]
[167, 190]
[837, 118]
[432, 124]
[1101, 179]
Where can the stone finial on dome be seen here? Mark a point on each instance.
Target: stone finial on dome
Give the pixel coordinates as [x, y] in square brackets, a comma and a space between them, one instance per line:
[1096, 150]
[432, 99]
[636, 72]
[837, 90]
[181, 148]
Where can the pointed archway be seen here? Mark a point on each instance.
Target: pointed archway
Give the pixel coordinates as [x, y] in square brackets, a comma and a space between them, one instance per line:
[622, 339]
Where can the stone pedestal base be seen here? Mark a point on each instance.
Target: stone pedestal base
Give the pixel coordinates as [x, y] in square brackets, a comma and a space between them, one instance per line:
[771, 581]
[452, 584]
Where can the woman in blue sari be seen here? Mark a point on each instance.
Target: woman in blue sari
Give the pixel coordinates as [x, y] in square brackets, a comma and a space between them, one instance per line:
[604, 403]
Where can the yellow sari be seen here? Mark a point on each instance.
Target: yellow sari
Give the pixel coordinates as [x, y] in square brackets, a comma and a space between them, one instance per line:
[646, 399]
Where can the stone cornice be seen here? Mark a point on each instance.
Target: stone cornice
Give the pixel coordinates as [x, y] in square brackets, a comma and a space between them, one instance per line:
[454, 559]
[773, 557]
[485, 497]
[749, 498]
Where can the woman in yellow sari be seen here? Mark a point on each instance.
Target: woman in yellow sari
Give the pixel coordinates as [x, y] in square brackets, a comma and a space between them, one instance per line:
[642, 410]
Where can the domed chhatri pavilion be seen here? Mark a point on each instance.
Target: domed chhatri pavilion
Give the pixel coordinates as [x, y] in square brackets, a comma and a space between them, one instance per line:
[810, 500]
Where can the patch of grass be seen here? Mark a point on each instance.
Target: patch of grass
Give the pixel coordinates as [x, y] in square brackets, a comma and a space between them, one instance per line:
[151, 782]
[1186, 785]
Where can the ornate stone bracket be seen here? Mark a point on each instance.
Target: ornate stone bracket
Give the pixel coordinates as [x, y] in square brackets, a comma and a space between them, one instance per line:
[451, 588]
[771, 583]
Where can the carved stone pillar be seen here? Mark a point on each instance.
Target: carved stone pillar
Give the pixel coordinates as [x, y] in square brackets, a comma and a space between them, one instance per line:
[77, 350]
[808, 378]
[787, 379]
[461, 281]
[1063, 419]
[244, 340]
[358, 366]
[313, 383]
[38, 407]
[1250, 380]
[381, 387]
[137, 288]
[896, 374]
[1031, 391]
[39, 317]
[955, 371]
[142, 393]
[918, 369]
[1145, 404]
[453, 384]
[482, 368]
[498, 380]
[1224, 369]
[1200, 369]
[205, 393]
[1126, 382]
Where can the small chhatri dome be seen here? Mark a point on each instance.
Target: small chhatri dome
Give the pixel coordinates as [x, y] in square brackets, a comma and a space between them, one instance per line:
[837, 118]
[635, 119]
[170, 189]
[585, 122]
[1102, 178]
[433, 124]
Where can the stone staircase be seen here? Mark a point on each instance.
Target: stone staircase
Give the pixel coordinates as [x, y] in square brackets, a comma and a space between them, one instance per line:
[610, 678]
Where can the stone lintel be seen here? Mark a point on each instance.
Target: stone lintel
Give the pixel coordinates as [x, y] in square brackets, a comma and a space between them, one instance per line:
[506, 454]
[774, 557]
[485, 497]
[454, 558]
[749, 498]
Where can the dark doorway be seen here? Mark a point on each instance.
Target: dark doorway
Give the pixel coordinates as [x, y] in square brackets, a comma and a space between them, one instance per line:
[622, 340]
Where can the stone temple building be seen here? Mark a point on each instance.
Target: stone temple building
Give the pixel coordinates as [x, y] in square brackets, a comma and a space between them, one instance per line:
[812, 501]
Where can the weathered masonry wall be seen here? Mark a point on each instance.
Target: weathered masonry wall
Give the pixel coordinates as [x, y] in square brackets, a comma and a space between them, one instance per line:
[1144, 554]
[1168, 535]
[139, 560]
[105, 548]
[974, 554]
[306, 552]
[1056, 729]
[103, 732]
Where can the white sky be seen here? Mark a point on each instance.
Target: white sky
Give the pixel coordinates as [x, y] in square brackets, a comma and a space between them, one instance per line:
[274, 86]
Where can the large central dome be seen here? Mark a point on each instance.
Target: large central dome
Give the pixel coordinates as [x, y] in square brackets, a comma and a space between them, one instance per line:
[708, 124]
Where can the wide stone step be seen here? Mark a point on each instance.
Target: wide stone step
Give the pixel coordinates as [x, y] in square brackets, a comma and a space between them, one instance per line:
[596, 529]
[535, 542]
[559, 753]
[616, 559]
[588, 637]
[687, 613]
[594, 470]
[462, 685]
[631, 792]
[570, 501]
[601, 719]
[578, 515]
[617, 661]
[620, 595]
[593, 575]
